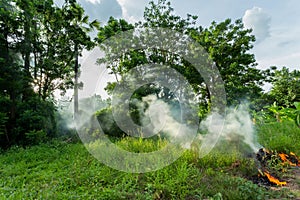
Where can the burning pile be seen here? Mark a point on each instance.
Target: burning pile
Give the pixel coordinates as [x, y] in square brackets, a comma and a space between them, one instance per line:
[291, 159]
[265, 157]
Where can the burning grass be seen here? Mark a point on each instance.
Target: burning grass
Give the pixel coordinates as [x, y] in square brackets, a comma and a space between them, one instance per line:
[273, 180]
[277, 163]
[291, 159]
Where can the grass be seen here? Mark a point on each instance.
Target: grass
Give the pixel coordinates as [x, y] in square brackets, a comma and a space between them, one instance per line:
[60, 170]
[283, 136]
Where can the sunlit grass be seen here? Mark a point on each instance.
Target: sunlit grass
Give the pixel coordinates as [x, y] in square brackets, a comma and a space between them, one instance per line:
[60, 170]
[284, 136]
[140, 145]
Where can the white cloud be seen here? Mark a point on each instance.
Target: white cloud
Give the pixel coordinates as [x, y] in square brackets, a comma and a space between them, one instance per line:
[259, 21]
[94, 1]
[132, 10]
[281, 49]
[282, 60]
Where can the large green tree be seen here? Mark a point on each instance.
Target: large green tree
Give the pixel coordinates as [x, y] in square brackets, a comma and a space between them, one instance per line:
[39, 44]
[227, 44]
[77, 28]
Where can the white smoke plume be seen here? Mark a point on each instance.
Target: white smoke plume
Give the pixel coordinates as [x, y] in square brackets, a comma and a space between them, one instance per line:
[87, 108]
[161, 118]
[235, 125]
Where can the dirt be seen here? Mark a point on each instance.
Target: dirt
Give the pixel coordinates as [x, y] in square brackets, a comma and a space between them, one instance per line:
[293, 182]
[292, 177]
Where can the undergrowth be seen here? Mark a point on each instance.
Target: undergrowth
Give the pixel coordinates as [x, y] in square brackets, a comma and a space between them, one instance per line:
[62, 170]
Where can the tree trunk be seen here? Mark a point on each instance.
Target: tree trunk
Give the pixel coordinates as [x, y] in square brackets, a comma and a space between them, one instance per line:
[27, 51]
[76, 82]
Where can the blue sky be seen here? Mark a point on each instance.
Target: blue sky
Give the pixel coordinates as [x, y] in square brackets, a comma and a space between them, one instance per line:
[276, 23]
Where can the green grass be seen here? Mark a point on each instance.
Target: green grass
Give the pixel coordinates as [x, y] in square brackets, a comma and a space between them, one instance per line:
[60, 170]
[283, 136]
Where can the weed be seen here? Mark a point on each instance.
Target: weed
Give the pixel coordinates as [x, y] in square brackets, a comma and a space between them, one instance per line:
[62, 170]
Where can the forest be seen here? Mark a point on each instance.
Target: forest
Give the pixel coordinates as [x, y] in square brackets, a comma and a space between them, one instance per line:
[43, 157]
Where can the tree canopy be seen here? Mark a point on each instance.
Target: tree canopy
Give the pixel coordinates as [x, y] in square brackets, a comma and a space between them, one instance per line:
[40, 44]
[226, 43]
[37, 48]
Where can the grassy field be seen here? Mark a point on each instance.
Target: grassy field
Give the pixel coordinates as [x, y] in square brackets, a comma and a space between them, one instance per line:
[61, 170]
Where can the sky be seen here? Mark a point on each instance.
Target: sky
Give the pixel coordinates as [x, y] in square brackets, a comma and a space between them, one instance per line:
[275, 24]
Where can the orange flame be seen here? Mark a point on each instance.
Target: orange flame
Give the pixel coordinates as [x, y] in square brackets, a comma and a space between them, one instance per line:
[274, 180]
[285, 158]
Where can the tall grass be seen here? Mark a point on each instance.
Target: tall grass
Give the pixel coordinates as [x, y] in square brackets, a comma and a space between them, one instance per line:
[59, 170]
[284, 136]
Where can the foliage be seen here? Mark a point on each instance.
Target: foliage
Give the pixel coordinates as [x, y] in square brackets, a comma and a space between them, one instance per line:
[3, 121]
[285, 86]
[36, 173]
[141, 145]
[38, 42]
[280, 136]
[227, 44]
[276, 113]
[32, 115]
[36, 137]
[297, 113]
[107, 123]
[281, 113]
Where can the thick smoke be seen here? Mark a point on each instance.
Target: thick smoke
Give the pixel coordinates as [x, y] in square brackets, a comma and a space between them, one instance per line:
[161, 117]
[236, 125]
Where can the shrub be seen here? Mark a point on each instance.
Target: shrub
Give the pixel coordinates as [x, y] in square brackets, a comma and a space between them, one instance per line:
[3, 120]
[36, 137]
[107, 123]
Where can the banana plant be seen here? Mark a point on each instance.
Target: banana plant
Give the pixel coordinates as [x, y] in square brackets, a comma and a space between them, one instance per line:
[297, 113]
[283, 113]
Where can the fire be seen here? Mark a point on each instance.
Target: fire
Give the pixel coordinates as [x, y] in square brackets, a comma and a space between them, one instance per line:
[272, 179]
[263, 156]
[291, 159]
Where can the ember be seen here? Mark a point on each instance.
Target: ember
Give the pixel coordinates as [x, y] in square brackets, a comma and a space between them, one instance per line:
[291, 159]
[264, 157]
[274, 180]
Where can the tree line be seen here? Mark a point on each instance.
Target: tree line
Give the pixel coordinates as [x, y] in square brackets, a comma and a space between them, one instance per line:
[40, 43]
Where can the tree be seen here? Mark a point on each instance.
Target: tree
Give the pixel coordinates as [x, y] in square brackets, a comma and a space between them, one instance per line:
[285, 86]
[38, 43]
[226, 43]
[112, 28]
[77, 27]
[11, 75]
[133, 58]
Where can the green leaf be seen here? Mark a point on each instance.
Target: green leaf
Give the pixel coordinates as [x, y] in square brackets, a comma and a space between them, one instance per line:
[297, 105]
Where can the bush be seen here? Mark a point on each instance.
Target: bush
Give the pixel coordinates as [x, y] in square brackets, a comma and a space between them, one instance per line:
[21, 120]
[36, 114]
[107, 123]
[36, 137]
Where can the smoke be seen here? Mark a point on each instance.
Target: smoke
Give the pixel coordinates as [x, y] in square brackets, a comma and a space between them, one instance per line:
[87, 108]
[168, 121]
[162, 118]
[236, 126]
